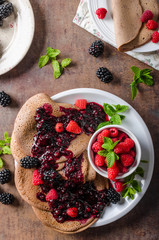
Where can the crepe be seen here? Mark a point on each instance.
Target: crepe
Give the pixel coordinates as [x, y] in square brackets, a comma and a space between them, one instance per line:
[130, 32]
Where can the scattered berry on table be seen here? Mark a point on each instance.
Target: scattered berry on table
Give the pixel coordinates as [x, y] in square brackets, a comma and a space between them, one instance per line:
[113, 132]
[59, 127]
[101, 13]
[73, 127]
[5, 10]
[5, 99]
[113, 196]
[126, 159]
[6, 198]
[96, 147]
[104, 133]
[5, 176]
[52, 195]
[119, 186]
[104, 75]
[72, 212]
[99, 160]
[29, 162]
[36, 179]
[152, 25]
[113, 172]
[81, 103]
[97, 48]
[155, 37]
[147, 15]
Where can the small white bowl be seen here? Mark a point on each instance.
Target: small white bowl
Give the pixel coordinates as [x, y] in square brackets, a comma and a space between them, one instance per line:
[100, 170]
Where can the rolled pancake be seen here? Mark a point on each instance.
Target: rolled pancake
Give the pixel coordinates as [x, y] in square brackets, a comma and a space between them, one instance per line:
[130, 32]
[25, 128]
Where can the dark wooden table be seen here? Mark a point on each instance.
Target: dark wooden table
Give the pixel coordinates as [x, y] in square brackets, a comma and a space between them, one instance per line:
[54, 28]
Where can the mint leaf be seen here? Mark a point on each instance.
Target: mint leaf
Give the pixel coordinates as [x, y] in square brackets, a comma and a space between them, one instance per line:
[110, 159]
[132, 191]
[107, 140]
[121, 108]
[1, 163]
[133, 89]
[148, 80]
[109, 110]
[125, 192]
[114, 144]
[6, 150]
[103, 153]
[116, 157]
[53, 53]
[57, 69]
[122, 117]
[43, 61]
[144, 161]
[145, 72]
[136, 185]
[115, 119]
[108, 144]
[103, 124]
[65, 62]
[2, 143]
[139, 171]
[136, 70]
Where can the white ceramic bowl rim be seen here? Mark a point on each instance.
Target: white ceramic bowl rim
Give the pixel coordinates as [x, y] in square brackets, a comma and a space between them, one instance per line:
[131, 135]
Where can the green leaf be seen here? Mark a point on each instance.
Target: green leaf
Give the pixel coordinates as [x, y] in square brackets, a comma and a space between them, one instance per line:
[109, 110]
[125, 192]
[116, 157]
[103, 124]
[2, 143]
[139, 171]
[6, 150]
[122, 117]
[108, 144]
[121, 108]
[6, 135]
[145, 72]
[57, 69]
[148, 80]
[133, 89]
[53, 53]
[1, 163]
[65, 62]
[136, 70]
[43, 61]
[115, 119]
[136, 185]
[114, 144]
[107, 140]
[144, 161]
[132, 191]
[110, 159]
[103, 153]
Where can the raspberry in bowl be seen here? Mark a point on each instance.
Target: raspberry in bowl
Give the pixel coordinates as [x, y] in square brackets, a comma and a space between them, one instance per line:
[114, 152]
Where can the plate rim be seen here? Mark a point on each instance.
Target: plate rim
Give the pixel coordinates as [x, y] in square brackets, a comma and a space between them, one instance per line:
[151, 166]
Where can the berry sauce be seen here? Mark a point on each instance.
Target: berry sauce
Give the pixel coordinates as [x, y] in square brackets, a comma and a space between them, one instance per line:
[49, 146]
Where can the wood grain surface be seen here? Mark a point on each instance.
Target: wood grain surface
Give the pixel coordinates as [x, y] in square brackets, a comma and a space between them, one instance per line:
[54, 28]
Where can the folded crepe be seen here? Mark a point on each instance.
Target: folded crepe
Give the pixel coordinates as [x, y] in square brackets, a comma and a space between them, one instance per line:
[130, 32]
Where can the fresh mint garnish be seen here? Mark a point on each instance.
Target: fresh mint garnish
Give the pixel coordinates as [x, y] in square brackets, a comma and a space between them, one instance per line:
[140, 76]
[112, 111]
[1, 163]
[51, 56]
[5, 147]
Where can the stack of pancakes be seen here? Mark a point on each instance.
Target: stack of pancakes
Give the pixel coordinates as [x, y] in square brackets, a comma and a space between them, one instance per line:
[21, 144]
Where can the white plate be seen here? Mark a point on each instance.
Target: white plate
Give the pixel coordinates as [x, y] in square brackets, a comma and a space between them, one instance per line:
[106, 26]
[16, 35]
[134, 122]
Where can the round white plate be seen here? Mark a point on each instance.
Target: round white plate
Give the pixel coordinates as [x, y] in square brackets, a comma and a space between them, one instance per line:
[134, 123]
[106, 25]
[16, 35]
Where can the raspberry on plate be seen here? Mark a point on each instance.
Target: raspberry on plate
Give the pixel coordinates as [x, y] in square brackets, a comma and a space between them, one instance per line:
[52, 195]
[113, 172]
[147, 15]
[126, 160]
[96, 147]
[72, 212]
[59, 127]
[101, 13]
[73, 127]
[119, 186]
[99, 160]
[81, 103]
[152, 25]
[155, 37]
[104, 133]
[36, 179]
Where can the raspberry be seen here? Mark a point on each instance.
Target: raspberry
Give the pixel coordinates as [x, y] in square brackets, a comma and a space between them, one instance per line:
[126, 160]
[106, 118]
[122, 169]
[155, 37]
[104, 133]
[122, 136]
[73, 127]
[114, 140]
[52, 195]
[132, 153]
[129, 142]
[151, 25]
[101, 13]
[119, 186]
[122, 148]
[72, 212]
[113, 132]
[147, 15]
[99, 160]
[59, 127]
[118, 149]
[113, 172]
[36, 179]
[96, 147]
[81, 103]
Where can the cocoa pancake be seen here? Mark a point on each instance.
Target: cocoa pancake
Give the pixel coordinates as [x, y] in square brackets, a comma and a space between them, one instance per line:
[91, 174]
[25, 128]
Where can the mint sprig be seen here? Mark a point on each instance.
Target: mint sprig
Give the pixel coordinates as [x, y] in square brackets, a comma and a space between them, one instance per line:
[133, 185]
[51, 55]
[140, 76]
[108, 152]
[5, 147]
[113, 112]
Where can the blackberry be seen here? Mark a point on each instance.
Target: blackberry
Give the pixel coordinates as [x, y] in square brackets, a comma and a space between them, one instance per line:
[29, 162]
[5, 99]
[104, 75]
[6, 9]
[5, 176]
[97, 48]
[2, 1]
[113, 196]
[6, 198]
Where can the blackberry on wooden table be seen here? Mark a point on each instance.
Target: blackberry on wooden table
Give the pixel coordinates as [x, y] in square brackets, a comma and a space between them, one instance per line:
[5, 99]
[104, 75]
[5, 176]
[97, 48]
[6, 198]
